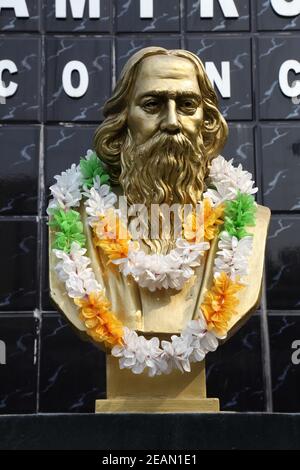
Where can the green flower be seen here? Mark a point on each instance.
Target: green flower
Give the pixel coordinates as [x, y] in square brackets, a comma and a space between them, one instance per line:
[68, 228]
[90, 168]
[239, 214]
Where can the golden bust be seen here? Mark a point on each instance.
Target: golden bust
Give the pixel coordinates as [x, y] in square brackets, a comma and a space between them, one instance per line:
[162, 129]
[159, 142]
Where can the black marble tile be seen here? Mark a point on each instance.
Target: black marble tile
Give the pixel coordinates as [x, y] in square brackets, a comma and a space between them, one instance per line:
[47, 304]
[280, 165]
[240, 146]
[270, 17]
[127, 46]
[72, 371]
[18, 364]
[234, 371]
[283, 262]
[12, 20]
[65, 145]
[18, 290]
[234, 17]
[235, 55]
[78, 20]
[165, 16]
[89, 89]
[273, 53]
[20, 91]
[19, 169]
[285, 362]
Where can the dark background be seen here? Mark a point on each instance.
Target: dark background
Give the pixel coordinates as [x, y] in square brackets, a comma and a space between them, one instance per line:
[48, 368]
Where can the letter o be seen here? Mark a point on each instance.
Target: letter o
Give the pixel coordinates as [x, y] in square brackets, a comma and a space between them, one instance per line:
[286, 8]
[72, 66]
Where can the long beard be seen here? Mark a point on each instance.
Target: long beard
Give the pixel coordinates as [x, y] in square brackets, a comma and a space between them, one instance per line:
[167, 169]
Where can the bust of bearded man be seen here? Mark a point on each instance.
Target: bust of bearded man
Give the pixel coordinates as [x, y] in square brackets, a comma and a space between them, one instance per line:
[161, 132]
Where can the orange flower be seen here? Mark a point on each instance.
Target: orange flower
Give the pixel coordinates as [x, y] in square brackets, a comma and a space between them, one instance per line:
[101, 323]
[192, 229]
[212, 218]
[106, 235]
[114, 250]
[220, 303]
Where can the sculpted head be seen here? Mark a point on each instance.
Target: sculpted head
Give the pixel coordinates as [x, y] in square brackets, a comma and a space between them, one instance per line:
[162, 127]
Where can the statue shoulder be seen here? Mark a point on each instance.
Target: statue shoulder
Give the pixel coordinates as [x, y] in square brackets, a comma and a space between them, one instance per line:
[249, 297]
[263, 216]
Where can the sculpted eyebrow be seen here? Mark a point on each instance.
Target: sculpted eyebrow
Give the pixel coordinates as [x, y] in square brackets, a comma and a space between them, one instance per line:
[172, 95]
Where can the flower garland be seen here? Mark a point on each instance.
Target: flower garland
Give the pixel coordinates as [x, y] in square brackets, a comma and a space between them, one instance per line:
[155, 271]
[229, 208]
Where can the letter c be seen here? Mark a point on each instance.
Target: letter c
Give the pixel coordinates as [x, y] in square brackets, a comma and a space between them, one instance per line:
[11, 88]
[286, 88]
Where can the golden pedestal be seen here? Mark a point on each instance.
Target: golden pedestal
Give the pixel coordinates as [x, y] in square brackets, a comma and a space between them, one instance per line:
[173, 393]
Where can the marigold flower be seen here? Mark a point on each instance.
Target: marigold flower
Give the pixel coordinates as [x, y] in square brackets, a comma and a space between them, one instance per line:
[107, 233]
[193, 227]
[220, 303]
[213, 217]
[101, 323]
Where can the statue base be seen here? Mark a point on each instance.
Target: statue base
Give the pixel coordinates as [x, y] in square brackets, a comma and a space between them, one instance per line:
[173, 393]
[157, 405]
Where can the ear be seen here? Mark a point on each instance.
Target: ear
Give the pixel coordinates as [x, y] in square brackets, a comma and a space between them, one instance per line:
[214, 132]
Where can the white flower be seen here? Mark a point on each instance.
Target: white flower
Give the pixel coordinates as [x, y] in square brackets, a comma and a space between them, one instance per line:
[88, 155]
[177, 352]
[233, 257]
[139, 354]
[228, 181]
[100, 199]
[73, 270]
[196, 328]
[190, 252]
[75, 286]
[210, 342]
[158, 271]
[220, 194]
[196, 331]
[66, 192]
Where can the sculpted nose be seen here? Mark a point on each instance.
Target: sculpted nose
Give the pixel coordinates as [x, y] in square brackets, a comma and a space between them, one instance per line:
[170, 121]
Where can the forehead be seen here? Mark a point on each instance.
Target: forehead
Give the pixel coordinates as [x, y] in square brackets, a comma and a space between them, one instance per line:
[162, 72]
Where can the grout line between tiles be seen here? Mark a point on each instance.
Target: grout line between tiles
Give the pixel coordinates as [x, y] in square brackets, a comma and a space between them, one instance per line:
[265, 347]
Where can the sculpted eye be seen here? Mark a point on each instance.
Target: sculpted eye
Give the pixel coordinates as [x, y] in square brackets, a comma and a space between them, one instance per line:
[188, 105]
[151, 106]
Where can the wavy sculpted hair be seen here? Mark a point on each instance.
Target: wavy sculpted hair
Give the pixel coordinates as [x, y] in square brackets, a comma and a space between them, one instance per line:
[111, 134]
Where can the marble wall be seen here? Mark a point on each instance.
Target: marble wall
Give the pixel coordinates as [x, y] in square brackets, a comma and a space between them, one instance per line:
[44, 365]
